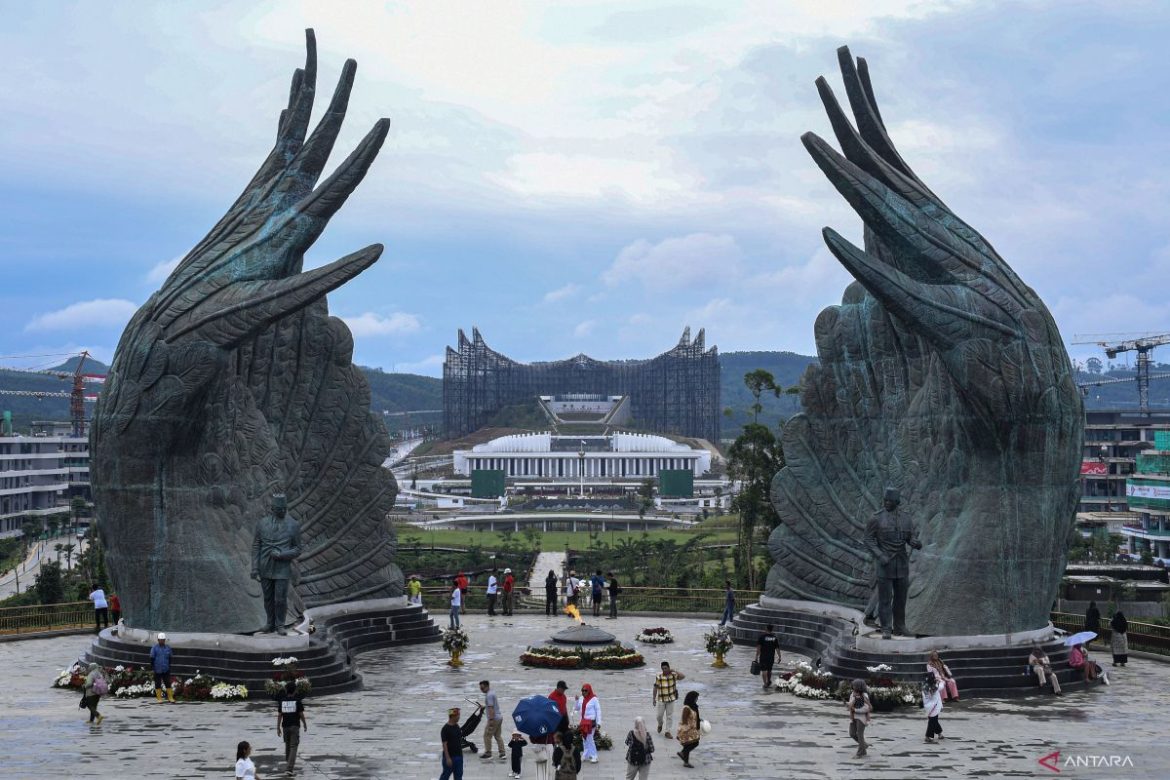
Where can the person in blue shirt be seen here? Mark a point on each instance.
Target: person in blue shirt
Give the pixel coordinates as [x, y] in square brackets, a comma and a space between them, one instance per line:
[598, 583]
[160, 662]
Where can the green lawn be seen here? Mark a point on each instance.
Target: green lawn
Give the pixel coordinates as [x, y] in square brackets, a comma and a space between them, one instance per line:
[552, 540]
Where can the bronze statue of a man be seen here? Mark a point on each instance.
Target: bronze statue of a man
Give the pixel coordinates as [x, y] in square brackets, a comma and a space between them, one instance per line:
[275, 546]
[887, 536]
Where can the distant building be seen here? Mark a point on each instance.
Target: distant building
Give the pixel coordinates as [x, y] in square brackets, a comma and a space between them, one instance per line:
[676, 392]
[40, 475]
[1148, 495]
[613, 458]
[1113, 440]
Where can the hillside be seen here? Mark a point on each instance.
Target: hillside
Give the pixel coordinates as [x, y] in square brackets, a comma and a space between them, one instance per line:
[26, 409]
[388, 393]
[1123, 395]
[403, 392]
[786, 367]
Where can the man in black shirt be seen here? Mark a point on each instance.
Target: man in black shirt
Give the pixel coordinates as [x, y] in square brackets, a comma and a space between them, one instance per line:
[290, 716]
[767, 651]
[614, 590]
[452, 737]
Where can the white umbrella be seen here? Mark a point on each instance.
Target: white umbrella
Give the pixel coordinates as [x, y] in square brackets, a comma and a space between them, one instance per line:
[1080, 638]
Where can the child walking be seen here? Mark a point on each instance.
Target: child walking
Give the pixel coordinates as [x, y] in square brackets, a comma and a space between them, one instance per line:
[932, 702]
[516, 748]
[860, 708]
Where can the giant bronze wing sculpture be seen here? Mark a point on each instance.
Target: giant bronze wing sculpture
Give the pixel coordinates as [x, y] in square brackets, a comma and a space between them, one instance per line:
[943, 374]
[232, 382]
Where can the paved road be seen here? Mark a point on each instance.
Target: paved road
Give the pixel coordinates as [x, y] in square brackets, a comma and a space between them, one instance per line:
[41, 551]
[390, 728]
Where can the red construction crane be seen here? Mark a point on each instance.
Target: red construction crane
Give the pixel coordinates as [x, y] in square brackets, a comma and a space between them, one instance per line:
[77, 397]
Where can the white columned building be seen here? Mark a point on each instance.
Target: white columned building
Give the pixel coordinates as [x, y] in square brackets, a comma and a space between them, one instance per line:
[615, 457]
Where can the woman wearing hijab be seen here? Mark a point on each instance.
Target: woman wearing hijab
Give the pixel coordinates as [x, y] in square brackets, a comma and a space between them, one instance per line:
[92, 697]
[942, 673]
[1092, 620]
[688, 728]
[1119, 640]
[639, 751]
[1042, 668]
[590, 708]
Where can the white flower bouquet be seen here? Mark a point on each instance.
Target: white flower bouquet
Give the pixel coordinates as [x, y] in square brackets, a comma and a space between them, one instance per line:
[655, 636]
[455, 640]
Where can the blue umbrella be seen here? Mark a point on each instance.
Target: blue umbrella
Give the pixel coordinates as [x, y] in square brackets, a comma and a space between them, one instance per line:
[536, 716]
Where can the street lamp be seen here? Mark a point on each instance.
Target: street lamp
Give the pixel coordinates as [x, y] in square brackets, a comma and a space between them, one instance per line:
[581, 467]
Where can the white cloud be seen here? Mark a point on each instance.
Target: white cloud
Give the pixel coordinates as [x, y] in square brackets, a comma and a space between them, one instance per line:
[559, 294]
[692, 260]
[100, 313]
[583, 329]
[161, 271]
[371, 324]
[567, 175]
[432, 365]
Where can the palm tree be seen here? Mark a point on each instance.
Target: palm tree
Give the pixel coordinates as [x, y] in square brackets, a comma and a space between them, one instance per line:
[69, 553]
[58, 547]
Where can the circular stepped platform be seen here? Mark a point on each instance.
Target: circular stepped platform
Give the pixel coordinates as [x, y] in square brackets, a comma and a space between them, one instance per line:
[830, 635]
[325, 657]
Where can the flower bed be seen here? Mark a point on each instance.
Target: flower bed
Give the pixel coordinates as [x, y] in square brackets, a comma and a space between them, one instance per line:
[883, 691]
[655, 636]
[286, 671]
[601, 739]
[609, 657]
[807, 682]
[128, 682]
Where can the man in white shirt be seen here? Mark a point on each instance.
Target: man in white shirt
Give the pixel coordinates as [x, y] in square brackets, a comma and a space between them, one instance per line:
[101, 609]
[493, 590]
[456, 603]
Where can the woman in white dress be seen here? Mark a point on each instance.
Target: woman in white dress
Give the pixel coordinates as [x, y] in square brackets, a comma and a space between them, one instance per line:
[590, 708]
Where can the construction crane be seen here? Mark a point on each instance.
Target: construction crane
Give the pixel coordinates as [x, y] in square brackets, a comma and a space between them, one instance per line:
[77, 397]
[1143, 346]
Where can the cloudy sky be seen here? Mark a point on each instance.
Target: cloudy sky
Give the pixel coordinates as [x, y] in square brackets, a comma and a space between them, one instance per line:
[580, 176]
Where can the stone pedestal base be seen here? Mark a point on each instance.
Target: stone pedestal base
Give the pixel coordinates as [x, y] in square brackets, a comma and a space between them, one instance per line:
[325, 656]
[837, 639]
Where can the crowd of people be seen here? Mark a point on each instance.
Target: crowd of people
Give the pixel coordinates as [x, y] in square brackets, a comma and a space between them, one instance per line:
[559, 592]
[557, 755]
[560, 754]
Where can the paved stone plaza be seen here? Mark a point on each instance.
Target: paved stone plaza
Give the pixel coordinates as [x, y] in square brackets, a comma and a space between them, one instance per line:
[390, 728]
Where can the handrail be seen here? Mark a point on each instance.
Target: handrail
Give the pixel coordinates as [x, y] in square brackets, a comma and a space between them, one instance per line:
[39, 618]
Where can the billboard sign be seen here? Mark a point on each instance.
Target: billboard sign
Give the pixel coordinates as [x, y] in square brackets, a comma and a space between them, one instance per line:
[1094, 468]
[1159, 492]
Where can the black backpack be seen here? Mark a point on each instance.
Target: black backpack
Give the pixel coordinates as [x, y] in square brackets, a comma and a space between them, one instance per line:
[636, 755]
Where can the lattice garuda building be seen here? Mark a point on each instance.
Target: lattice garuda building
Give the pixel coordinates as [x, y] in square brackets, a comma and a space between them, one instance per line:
[676, 392]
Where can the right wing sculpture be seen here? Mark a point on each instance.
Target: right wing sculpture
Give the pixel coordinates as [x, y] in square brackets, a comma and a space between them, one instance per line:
[233, 382]
[943, 374]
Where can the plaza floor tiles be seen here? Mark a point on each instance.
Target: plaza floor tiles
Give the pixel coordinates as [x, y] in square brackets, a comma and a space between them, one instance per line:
[390, 728]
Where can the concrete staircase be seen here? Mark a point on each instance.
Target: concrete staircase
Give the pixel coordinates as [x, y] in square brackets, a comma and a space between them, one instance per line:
[328, 670]
[326, 657]
[832, 640]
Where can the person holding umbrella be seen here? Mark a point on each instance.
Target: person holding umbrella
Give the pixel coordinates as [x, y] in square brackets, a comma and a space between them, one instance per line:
[1078, 657]
[540, 718]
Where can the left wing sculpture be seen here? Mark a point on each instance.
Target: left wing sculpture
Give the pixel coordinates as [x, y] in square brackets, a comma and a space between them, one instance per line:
[233, 382]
